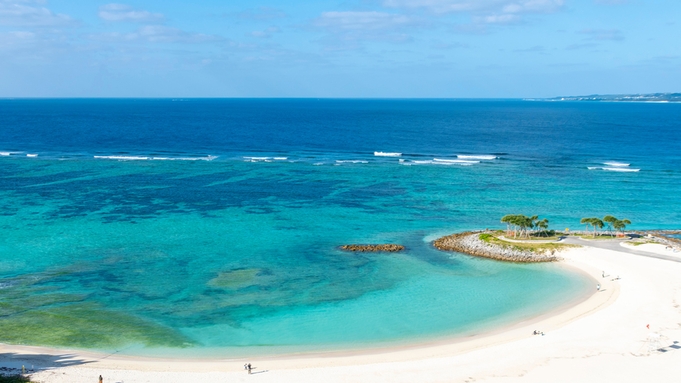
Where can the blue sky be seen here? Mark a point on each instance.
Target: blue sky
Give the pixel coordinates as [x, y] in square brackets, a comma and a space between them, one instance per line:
[346, 48]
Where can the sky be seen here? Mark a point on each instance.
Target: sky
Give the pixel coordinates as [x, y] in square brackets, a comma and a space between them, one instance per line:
[345, 48]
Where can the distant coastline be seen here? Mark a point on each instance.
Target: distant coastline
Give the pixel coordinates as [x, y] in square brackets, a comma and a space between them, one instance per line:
[634, 97]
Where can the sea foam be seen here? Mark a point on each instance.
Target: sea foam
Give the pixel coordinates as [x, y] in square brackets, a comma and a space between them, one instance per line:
[439, 162]
[616, 164]
[476, 157]
[387, 154]
[206, 158]
[621, 169]
[122, 158]
[264, 159]
[455, 161]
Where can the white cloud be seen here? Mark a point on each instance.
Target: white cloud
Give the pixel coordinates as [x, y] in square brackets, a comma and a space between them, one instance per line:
[437, 6]
[482, 11]
[261, 14]
[267, 33]
[159, 34]
[355, 21]
[353, 26]
[489, 6]
[122, 12]
[16, 38]
[30, 13]
[506, 18]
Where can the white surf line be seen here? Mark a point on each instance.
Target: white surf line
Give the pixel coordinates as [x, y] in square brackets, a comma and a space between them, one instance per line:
[387, 154]
[476, 157]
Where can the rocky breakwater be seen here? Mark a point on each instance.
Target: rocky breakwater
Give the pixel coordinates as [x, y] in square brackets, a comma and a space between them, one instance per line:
[388, 248]
[471, 244]
[663, 238]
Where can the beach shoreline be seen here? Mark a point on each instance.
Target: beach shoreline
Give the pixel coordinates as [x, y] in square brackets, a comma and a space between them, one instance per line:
[148, 368]
[604, 334]
[467, 340]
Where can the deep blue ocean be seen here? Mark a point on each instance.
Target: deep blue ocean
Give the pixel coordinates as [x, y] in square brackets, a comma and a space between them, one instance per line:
[211, 227]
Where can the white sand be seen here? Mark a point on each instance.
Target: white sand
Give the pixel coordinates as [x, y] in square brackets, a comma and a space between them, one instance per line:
[601, 339]
[654, 248]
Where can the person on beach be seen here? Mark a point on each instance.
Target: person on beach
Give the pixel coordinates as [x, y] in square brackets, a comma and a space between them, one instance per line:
[602, 274]
[101, 379]
[249, 368]
[598, 287]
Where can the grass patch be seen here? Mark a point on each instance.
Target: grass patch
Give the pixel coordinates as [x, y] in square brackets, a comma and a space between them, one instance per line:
[533, 247]
[487, 237]
[639, 243]
[554, 237]
[598, 237]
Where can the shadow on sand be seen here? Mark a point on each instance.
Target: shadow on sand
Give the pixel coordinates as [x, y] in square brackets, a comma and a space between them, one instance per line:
[11, 363]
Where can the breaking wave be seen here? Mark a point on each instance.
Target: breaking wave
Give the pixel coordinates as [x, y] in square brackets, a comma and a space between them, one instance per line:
[476, 157]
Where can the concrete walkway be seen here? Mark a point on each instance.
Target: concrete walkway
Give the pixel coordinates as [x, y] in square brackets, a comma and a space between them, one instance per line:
[614, 244]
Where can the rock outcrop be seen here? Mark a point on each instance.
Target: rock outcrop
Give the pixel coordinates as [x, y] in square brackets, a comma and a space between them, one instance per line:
[389, 248]
[471, 244]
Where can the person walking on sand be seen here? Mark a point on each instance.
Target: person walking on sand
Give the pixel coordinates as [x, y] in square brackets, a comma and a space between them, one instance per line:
[249, 368]
[101, 379]
[598, 287]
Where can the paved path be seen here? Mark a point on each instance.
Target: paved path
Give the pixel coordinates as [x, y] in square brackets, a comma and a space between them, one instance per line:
[614, 244]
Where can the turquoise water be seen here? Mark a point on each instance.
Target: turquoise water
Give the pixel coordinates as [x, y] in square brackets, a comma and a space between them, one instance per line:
[227, 255]
[267, 273]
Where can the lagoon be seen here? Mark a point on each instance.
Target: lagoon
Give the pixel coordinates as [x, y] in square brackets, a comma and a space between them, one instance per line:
[227, 255]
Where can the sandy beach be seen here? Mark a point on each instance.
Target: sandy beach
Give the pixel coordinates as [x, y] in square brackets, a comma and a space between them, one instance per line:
[626, 332]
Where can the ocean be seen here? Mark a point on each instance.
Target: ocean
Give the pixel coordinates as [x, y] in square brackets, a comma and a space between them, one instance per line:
[211, 226]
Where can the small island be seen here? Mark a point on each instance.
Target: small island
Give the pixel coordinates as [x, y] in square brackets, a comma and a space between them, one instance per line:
[385, 248]
[526, 239]
[645, 97]
[493, 245]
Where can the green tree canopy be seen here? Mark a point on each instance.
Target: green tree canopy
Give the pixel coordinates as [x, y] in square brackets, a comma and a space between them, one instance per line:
[594, 222]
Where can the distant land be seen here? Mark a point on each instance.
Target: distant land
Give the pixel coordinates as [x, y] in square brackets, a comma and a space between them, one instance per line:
[648, 97]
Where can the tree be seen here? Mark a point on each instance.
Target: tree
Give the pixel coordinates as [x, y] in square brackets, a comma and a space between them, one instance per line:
[543, 225]
[597, 224]
[515, 222]
[507, 219]
[521, 225]
[621, 225]
[609, 221]
[587, 222]
[594, 222]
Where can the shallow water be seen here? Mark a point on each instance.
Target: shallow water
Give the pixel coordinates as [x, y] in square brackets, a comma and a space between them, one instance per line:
[229, 255]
